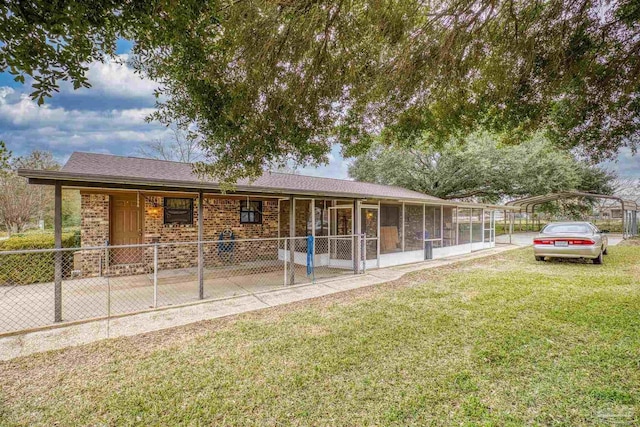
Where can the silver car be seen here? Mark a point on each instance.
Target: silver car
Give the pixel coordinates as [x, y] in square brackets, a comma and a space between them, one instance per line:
[571, 240]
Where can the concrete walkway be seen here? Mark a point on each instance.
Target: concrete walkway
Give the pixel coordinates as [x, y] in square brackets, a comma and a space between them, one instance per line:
[82, 333]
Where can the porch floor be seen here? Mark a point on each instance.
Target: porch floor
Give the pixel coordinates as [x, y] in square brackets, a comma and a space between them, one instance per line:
[32, 306]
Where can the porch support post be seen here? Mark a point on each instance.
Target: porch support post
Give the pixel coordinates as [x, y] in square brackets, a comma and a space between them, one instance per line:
[292, 243]
[57, 237]
[441, 226]
[457, 227]
[200, 246]
[312, 208]
[402, 227]
[424, 225]
[357, 228]
[470, 229]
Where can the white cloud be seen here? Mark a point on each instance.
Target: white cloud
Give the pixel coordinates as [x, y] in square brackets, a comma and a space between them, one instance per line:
[337, 167]
[25, 126]
[626, 165]
[114, 78]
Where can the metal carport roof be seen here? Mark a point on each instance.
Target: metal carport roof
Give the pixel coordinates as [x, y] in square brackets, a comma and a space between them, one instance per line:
[533, 201]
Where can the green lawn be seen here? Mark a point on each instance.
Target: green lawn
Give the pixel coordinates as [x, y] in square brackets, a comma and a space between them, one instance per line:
[498, 341]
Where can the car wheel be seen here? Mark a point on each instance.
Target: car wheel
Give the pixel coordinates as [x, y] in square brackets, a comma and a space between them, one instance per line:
[599, 259]
[539, 258]
[605, 252]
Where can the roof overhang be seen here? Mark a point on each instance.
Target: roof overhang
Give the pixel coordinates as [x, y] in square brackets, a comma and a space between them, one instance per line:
[87, 181]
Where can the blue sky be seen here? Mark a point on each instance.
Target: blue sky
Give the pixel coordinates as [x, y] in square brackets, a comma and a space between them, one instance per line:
[109, 118]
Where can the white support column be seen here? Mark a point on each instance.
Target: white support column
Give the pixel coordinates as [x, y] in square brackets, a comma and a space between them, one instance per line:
[312, 206]
[279, 200]
[357, 228]
[424, 222]
[441, 226]
[292, 244]
[471, 228]
[402, 227]
[455, 210]
[482, 228]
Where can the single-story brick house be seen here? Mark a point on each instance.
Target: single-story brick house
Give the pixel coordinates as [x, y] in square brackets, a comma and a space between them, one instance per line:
[138, 201]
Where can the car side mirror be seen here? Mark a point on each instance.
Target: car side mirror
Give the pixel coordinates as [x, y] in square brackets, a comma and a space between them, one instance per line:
[604, 231]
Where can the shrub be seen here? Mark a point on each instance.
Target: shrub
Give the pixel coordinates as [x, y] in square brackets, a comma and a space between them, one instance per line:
[38, 241]
[38, 267]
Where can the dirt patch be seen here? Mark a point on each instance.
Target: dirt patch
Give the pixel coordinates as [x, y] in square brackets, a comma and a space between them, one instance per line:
[635, 241]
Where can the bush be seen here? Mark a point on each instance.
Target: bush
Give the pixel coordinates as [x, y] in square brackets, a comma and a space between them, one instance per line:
[20, 269]
[39, 241]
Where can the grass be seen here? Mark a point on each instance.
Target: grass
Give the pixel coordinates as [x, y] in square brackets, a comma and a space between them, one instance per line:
[497, 341]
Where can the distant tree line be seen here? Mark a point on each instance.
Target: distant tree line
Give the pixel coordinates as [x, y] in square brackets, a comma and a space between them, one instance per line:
[24, 206]
[482, 169]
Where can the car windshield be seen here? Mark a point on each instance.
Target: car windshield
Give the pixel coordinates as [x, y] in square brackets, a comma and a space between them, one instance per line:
[567, 228]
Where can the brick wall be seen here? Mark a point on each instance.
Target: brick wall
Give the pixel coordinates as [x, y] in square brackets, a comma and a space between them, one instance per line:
[219, 215]
[94, 231]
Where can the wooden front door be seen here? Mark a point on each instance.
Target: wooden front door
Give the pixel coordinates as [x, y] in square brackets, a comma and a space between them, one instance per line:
[126, 228]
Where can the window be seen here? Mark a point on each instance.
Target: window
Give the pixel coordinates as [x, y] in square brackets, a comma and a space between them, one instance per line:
[178, 211]
[250, 212]
[567, 228]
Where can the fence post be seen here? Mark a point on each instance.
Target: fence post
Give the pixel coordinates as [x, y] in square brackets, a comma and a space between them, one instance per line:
[155, 275]
[286, 254]
[57, 276]
[364, 253]
[104, 274]
[200, 247]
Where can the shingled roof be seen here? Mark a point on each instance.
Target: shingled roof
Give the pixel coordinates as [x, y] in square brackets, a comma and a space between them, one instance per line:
[104, 168]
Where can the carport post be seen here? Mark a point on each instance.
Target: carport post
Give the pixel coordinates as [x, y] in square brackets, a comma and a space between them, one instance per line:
[57, 237]
[200, 248]
[511, 219]
[505, 221]
[624, 234]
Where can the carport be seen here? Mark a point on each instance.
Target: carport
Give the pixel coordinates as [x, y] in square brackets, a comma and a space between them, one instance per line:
[629, 208]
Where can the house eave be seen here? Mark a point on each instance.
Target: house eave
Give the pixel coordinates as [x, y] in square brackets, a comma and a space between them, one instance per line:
[74, 180]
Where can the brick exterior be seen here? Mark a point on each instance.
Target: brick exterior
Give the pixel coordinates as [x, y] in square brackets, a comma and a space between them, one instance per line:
[219, 215]
[94, 231]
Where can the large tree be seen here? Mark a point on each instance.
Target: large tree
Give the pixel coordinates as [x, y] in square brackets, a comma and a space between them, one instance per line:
[482, 169]
[270, 81]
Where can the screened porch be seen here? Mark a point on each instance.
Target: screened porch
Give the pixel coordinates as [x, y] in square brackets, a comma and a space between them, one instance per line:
[381, 233]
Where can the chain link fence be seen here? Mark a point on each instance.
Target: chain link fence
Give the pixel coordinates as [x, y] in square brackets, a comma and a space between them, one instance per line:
[48, 286]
